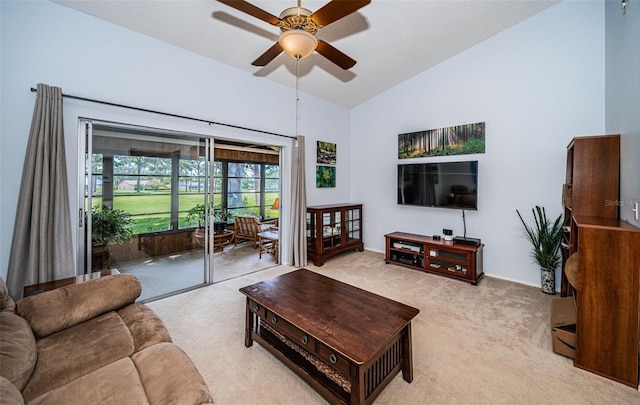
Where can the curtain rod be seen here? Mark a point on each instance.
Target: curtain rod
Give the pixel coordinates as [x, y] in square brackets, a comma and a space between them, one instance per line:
[171, 115]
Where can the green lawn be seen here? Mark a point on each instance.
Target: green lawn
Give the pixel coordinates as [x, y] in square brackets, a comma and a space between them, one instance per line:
[150, 210]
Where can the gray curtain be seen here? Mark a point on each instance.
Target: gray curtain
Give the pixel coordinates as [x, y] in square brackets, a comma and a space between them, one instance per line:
[41, 249]
[298, 206]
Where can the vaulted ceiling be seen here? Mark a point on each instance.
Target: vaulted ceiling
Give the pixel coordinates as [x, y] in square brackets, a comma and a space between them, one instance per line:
[391, 40]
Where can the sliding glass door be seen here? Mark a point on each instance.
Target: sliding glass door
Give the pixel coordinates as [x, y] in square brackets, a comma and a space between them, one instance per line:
[146, 206]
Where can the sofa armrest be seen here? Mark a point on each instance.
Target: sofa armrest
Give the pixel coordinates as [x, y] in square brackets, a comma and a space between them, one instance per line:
[145, 326]
[58, 309]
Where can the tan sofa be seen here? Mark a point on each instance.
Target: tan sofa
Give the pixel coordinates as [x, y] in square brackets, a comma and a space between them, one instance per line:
[89, 343]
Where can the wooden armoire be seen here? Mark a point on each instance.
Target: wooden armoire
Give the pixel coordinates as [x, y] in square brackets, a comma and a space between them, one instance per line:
[607, 291]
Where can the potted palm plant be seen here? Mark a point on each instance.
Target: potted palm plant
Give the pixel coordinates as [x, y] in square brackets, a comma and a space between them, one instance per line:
[545, 237]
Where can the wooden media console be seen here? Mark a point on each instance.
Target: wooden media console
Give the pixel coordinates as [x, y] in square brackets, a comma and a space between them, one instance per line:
[456, 260]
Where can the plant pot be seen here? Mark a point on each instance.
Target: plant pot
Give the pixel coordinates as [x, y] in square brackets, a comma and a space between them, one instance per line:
[219, 226]
[199, 236]
[548, 281]
[99, 257]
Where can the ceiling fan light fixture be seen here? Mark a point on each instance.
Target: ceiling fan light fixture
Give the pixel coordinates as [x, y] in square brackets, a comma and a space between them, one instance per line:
[298, 43]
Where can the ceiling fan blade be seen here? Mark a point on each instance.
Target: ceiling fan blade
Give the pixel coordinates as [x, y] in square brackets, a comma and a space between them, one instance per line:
[268, 56]
[250, 9]
[335, 10]
[334, 55]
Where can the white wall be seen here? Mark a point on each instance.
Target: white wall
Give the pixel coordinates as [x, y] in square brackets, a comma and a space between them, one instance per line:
[43, 42]
[536, 85]
[623, 97]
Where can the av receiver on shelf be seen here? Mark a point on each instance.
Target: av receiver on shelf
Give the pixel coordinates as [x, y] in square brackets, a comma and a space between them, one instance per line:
[406, 246]
[467, 240]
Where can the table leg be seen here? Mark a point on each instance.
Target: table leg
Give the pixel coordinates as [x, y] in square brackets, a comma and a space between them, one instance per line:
[249, 322]
[407, 367]
[357, 385]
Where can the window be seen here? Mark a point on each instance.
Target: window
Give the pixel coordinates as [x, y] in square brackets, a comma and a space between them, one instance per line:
[272, 189]
[191, 188]
[159, 188]
[140, 186]
[250, 188]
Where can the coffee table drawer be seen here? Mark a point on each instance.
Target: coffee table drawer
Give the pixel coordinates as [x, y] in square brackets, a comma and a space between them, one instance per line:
[300, 337]
[257, 309]
[334, 359]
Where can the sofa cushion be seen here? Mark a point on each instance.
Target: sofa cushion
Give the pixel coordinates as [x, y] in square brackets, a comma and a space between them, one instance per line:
[55, 310]
[77, 351]
[6, 302]
[9, 394]
[18, 352]
[169, 376]
[145, 326]
[114, 384]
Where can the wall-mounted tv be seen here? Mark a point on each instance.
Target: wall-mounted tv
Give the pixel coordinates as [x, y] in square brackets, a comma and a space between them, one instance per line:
[443, 184]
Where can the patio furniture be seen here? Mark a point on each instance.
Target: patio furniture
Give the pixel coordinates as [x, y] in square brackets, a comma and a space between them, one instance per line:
[247, 228]
[221, 239]
[268, 242]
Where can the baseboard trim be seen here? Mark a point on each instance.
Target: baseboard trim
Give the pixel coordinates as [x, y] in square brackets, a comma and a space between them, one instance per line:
[514, 280]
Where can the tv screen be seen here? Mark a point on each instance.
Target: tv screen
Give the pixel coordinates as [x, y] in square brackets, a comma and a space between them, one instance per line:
[444, 184]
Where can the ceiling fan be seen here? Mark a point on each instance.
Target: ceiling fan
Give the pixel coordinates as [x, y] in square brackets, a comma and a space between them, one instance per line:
[299, 27]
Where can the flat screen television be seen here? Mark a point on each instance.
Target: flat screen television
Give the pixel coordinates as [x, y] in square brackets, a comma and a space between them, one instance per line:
[443, 184]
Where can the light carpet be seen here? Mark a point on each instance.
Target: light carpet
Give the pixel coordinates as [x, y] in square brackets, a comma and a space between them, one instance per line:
[484, 344]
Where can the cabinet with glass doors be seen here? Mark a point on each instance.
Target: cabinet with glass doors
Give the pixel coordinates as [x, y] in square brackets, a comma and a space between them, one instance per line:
[332, 230]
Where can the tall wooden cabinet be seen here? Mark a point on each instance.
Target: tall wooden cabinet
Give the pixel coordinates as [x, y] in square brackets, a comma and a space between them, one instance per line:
[607, 290]
[591, 187]
[332, 230]
[593, 175]
[607, 297]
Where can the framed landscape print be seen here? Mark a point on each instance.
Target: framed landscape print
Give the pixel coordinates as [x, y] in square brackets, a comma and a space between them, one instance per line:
[326, 153]
[325, 176]
[457, 140]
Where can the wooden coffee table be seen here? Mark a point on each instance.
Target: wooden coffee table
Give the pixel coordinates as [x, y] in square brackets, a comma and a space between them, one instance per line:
[347, 343]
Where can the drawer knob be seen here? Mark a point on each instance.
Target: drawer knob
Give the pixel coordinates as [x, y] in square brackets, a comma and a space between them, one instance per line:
[274, 320]
[332, 358]
[255, 308]
[305, 339]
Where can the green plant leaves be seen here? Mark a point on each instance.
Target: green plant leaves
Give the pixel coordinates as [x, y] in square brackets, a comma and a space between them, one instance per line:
[545, 237]
[110, 225]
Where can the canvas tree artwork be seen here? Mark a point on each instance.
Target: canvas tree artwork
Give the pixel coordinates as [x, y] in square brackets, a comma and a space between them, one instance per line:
[326, 169]
[456, 140]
